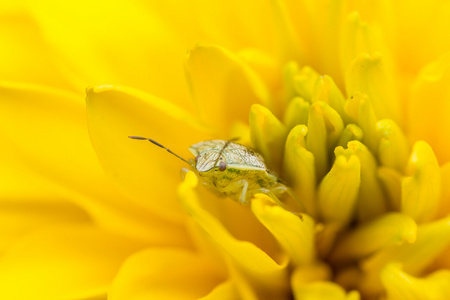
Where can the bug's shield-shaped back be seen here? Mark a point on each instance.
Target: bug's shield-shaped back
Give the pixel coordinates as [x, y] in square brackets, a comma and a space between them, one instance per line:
[235, 155]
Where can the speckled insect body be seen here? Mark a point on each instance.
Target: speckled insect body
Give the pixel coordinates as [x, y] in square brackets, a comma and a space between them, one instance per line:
[231, 169]
[234, 170]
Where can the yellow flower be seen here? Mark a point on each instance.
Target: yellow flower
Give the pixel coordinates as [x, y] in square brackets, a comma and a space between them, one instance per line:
[347, 101]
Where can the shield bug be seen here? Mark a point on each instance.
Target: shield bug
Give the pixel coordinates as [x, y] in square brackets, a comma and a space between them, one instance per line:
[231, 169]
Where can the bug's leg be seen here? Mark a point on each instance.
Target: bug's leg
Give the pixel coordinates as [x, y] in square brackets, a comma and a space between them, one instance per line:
[235, 187]
[244, 191]
[282, 189]
[271, 194]
[291, 193]
[183, 172]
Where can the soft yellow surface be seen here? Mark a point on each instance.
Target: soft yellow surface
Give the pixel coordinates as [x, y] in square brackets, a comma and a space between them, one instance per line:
[347, 101]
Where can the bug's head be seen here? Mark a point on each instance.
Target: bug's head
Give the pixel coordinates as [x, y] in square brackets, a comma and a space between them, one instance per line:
[210, 161]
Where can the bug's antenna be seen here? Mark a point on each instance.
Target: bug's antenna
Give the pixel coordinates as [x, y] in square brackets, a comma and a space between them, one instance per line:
[159, 145]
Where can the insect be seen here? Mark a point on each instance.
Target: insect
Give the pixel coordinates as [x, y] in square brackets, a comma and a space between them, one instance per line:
[231, 169]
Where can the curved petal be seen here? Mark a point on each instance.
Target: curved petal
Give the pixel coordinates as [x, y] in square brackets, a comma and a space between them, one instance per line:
[316, 25]
[222, 85]
[145, 171]
[296, 236]
[359, 107]
[49, 155]
[432, 239]
[63, 263]
[258, 274]
[402, 286]
[360, 36]
[326, 90]
[19, 33]
[268, 135]
[98, 50]
[20, 181]
[325, 126]
[48, 127]
[444, 208]
[30, 200]
[299, 168]
[19, 217]
[369, 74]
[421, 188]
[429, 107]
[394, 148]
[351, 132]
[338, 190]
[296, 113]
[387, 230]
[165, 273]
[422, 32]
[371, 202]
[224, 291]
[322, 290]
[46, 132]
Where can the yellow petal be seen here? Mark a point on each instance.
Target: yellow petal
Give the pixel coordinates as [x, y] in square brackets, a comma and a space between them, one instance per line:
[338, 190]
[296, 113]
[319, 271]
[445, 199]
[325, 90]
[290, 70]
[421, 190]
[348, 276]
[19, 33]
[392, 183]
[146, 172]
[20, 181]
[133, 53]
[258, 273]
[296, 236]
[223, 291]
[428, 107]
[304, 82]
[389, 229]
[351, 132]
[63, 263]
[369, 75]
[371, 199]
[322, 290]
[432, 239]
[47, 136]
[317, 24]
[359, 107]
[221, 82]
[424, 21]
[268, 69]
[359, 37]
[290, 46]
[324, 129]
[168, 273]
[268, 135]
[48, 128]
[394, 148]
[241, 131]
[19, 217]
[299, 168]
[402, 286]
[49, 156]
[326, 237]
